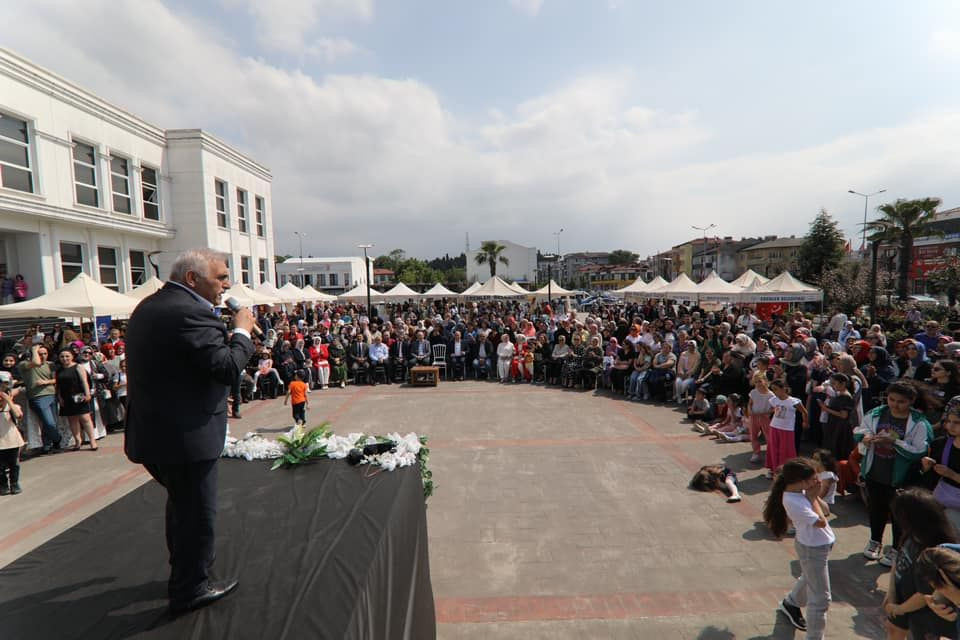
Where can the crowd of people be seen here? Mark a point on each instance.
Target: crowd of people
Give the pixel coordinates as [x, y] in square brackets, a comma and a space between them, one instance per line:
[882, 412]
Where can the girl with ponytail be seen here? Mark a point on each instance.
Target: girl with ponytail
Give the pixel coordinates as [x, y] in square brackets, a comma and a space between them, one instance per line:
[794, 497]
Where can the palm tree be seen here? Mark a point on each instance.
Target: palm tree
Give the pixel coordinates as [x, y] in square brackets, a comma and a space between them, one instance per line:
[490, 251]
[901, 223]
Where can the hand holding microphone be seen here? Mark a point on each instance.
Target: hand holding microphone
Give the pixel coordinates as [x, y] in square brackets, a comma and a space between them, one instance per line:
[243, 317]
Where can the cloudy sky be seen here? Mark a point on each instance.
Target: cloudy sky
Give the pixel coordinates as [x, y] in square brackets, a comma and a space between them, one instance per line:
[410, 123]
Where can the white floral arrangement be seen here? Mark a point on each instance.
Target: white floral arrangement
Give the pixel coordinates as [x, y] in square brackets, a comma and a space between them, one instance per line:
[299, 446]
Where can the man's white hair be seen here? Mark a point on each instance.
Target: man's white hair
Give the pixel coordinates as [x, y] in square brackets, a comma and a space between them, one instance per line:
[196, 260]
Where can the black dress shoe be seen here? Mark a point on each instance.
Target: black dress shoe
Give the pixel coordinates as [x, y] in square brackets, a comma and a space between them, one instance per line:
[213, 592]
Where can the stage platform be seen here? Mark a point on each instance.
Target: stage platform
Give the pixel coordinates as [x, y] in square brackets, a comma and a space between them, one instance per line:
[323, 551]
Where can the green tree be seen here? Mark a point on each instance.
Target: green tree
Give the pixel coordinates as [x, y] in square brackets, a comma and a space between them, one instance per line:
[622, 256]
[822, 248]
[901, 223]
[278, 259]
[946, 279]
[489, 255]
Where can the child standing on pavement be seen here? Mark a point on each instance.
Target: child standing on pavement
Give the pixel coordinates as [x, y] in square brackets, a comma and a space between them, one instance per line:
[297, 395]
[10, 439]
[794, 497]
[759, 410]
[782, 446]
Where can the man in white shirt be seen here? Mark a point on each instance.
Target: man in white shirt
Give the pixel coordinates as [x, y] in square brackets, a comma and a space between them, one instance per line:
[378, 354]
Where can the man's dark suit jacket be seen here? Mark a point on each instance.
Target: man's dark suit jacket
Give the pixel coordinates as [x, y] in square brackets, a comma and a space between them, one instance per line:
[179, 368]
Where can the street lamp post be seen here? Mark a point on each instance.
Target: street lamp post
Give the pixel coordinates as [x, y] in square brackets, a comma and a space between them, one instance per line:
[703, 255]
[366, 260]
[300, 235]
[866, 198]
[557, 234]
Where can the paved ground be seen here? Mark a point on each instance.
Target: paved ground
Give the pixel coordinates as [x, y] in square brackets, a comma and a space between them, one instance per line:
[557, 514]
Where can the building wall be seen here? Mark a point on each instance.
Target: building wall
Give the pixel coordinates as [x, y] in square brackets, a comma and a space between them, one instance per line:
[350, 273]
[60, 115]
[522, 266]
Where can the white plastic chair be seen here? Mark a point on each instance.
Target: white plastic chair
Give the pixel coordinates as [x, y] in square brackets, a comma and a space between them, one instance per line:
[440, 357]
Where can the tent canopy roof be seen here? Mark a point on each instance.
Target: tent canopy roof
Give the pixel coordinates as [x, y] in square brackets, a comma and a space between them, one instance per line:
[82, 297]
[439, 291]
[495, 287]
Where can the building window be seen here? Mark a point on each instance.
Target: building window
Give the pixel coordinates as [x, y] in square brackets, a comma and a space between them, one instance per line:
[220, 188]
[138, 268]
[242, 210]
[85, 174]
[71, 260]
[245, 269]
[261, 230]
[151, 193]
[322, 279]
[262, 264]
[333, 279]
[120, 184]
[15, 171]
[108, 267]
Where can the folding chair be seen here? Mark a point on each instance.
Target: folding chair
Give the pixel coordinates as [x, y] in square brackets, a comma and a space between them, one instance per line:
[440, 357]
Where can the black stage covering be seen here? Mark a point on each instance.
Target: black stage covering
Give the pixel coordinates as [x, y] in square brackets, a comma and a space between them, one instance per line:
[322, 551]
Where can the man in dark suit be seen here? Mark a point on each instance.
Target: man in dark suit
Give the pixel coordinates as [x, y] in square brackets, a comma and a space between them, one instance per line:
[175, 343]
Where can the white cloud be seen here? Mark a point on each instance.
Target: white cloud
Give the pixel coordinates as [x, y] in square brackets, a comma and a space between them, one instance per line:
[284, 25]
[529, 7]
[331, 49]
[367, 158]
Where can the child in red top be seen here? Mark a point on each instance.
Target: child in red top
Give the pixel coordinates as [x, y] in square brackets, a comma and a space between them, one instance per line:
[297, 394]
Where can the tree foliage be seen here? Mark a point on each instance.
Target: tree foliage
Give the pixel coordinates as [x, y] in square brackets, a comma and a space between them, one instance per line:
[822, 248]
[489, 255]
[946, 279]
[622, 256]
[901, 223]
[848, 284]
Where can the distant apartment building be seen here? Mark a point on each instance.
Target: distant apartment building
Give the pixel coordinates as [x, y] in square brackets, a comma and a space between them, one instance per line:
[330, 275]
[929, 253]
[382, 277]
[87, 187]
[572, 263]
[608, 276]
[771, 257]
[521, 264]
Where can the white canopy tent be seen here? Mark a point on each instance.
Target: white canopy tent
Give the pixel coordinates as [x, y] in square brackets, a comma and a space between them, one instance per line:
[82, 297]
[469, 290]
[682, 288]
[359, 293]
[783, 288]
[247, 297]
[398, 293]
[267, 289]
[637, 286]
[553, 290]
[495, 287]
[439, 291]
[519, 288]
[312, 295]
[747, 278]
[715, 288]
[290, 294]
[148, 288]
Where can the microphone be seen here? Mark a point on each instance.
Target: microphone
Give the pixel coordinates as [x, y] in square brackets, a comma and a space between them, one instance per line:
[234, 306]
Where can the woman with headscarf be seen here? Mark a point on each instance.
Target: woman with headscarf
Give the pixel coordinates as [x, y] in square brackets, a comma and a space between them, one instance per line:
[338, 362]
[745, 346]
[879, 372]
[918, 365]
[610, 352]
[574, 362]
[860, 351]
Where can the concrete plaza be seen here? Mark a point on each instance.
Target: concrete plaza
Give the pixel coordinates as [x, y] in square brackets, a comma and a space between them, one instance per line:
[557, 514]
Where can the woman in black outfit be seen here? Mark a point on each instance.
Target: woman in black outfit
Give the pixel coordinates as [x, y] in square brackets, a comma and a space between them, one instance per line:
[73, 396]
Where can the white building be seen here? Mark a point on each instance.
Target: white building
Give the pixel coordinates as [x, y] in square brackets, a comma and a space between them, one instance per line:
[330, 275]
[88, 187]
[522, 264]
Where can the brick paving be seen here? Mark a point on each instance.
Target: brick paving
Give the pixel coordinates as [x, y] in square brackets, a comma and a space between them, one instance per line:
[557, 514]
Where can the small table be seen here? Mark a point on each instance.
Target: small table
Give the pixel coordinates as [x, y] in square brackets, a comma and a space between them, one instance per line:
[424, 376]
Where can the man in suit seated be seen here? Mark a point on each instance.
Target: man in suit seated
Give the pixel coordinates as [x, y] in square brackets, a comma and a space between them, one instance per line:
[457, 352]
[399, 352]
[482, 354]
[179, 442]
[421, 354]
[358, 357]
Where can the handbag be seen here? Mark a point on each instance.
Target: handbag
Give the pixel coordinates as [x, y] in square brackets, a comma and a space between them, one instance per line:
[945, 493]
